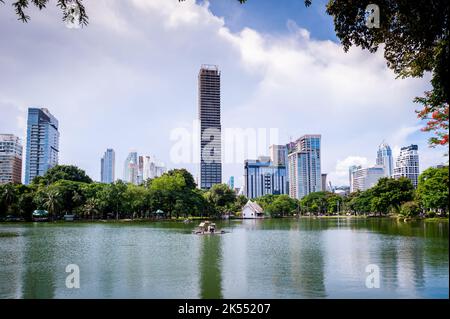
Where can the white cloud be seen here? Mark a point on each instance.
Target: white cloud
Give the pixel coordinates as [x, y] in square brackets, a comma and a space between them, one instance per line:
[340, 175]
[130, 77]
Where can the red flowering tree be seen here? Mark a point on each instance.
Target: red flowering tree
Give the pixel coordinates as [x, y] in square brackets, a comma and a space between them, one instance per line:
[435, 112]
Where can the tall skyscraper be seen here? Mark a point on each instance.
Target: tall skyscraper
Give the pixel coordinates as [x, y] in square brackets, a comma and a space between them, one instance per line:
[42, 143]
[305, 175]
[407, 164]
[160, 168]
[10, 159]
[278, 154]
[262, 177]
[364, 178]
[352, 169]
[149, 168]
[108, 166]
[131, 168]
[384, 158]
[210, 126]
[140, 175]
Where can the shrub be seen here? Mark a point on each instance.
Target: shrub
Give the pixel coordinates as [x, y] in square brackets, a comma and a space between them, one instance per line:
[410, 209]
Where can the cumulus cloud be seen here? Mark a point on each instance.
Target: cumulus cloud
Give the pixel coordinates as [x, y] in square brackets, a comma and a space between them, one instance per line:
[340, 175]
[130, 78]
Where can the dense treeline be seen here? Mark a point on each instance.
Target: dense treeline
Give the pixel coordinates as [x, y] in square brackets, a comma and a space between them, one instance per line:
[68, 190]
[388, 196]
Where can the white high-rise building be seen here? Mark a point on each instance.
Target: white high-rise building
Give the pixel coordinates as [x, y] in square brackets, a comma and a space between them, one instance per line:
[278, 154]
[407, 164]
[304, 167]
[384, 158]
[149, 168]
[10, 159]
[131, 169]
[364, 178]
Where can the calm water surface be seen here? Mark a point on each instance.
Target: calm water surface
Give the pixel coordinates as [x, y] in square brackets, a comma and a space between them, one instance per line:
[276, 258]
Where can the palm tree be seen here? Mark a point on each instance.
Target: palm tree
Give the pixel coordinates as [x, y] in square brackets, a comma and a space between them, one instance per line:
[9, 196]
[52, 202]
[90, 208]
[76, 198]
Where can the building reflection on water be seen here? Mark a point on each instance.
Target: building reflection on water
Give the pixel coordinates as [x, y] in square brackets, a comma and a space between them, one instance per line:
[38, 276]
[278, 258]
[210, 263]
[307, 262]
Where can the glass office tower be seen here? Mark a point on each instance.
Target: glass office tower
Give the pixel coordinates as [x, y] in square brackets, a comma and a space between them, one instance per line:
[210, 126]
[42, 143]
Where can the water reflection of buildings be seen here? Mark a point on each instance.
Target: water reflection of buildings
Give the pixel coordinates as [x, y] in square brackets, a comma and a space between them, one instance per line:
[307, 262]
[236, 261]
[210, 263]
[410, 266]
[38, 278]
[11, 252]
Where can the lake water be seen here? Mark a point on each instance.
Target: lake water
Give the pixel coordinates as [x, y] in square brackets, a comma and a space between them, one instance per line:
[274, 258]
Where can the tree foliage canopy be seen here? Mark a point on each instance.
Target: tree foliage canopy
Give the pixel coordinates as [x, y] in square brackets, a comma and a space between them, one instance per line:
[432, 190]
[66, 6]
[63, 172]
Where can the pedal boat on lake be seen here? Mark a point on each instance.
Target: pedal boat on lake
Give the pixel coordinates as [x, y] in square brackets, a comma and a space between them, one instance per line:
[207, 228]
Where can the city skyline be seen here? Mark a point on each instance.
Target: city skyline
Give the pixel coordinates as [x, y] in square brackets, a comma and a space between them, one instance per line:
[144, 167]
[257, 91]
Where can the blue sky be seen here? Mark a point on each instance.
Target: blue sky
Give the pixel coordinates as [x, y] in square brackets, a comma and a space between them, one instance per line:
[269, 16]
[128, 81]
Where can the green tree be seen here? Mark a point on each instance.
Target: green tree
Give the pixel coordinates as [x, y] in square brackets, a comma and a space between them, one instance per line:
[52, 202]
[188, 178]
[266, 200]
[70, 194]
[432, 190]
[315, 202]
[409, 209]
[136, 200]
[90, 208]
[63, 172]
[360, 202]
[8, 197]
[283, 205]
[113, 197]
[239, 203]
[26, 204]
[335, 203]
[221, 197]
[166, 190]
[388, 194]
